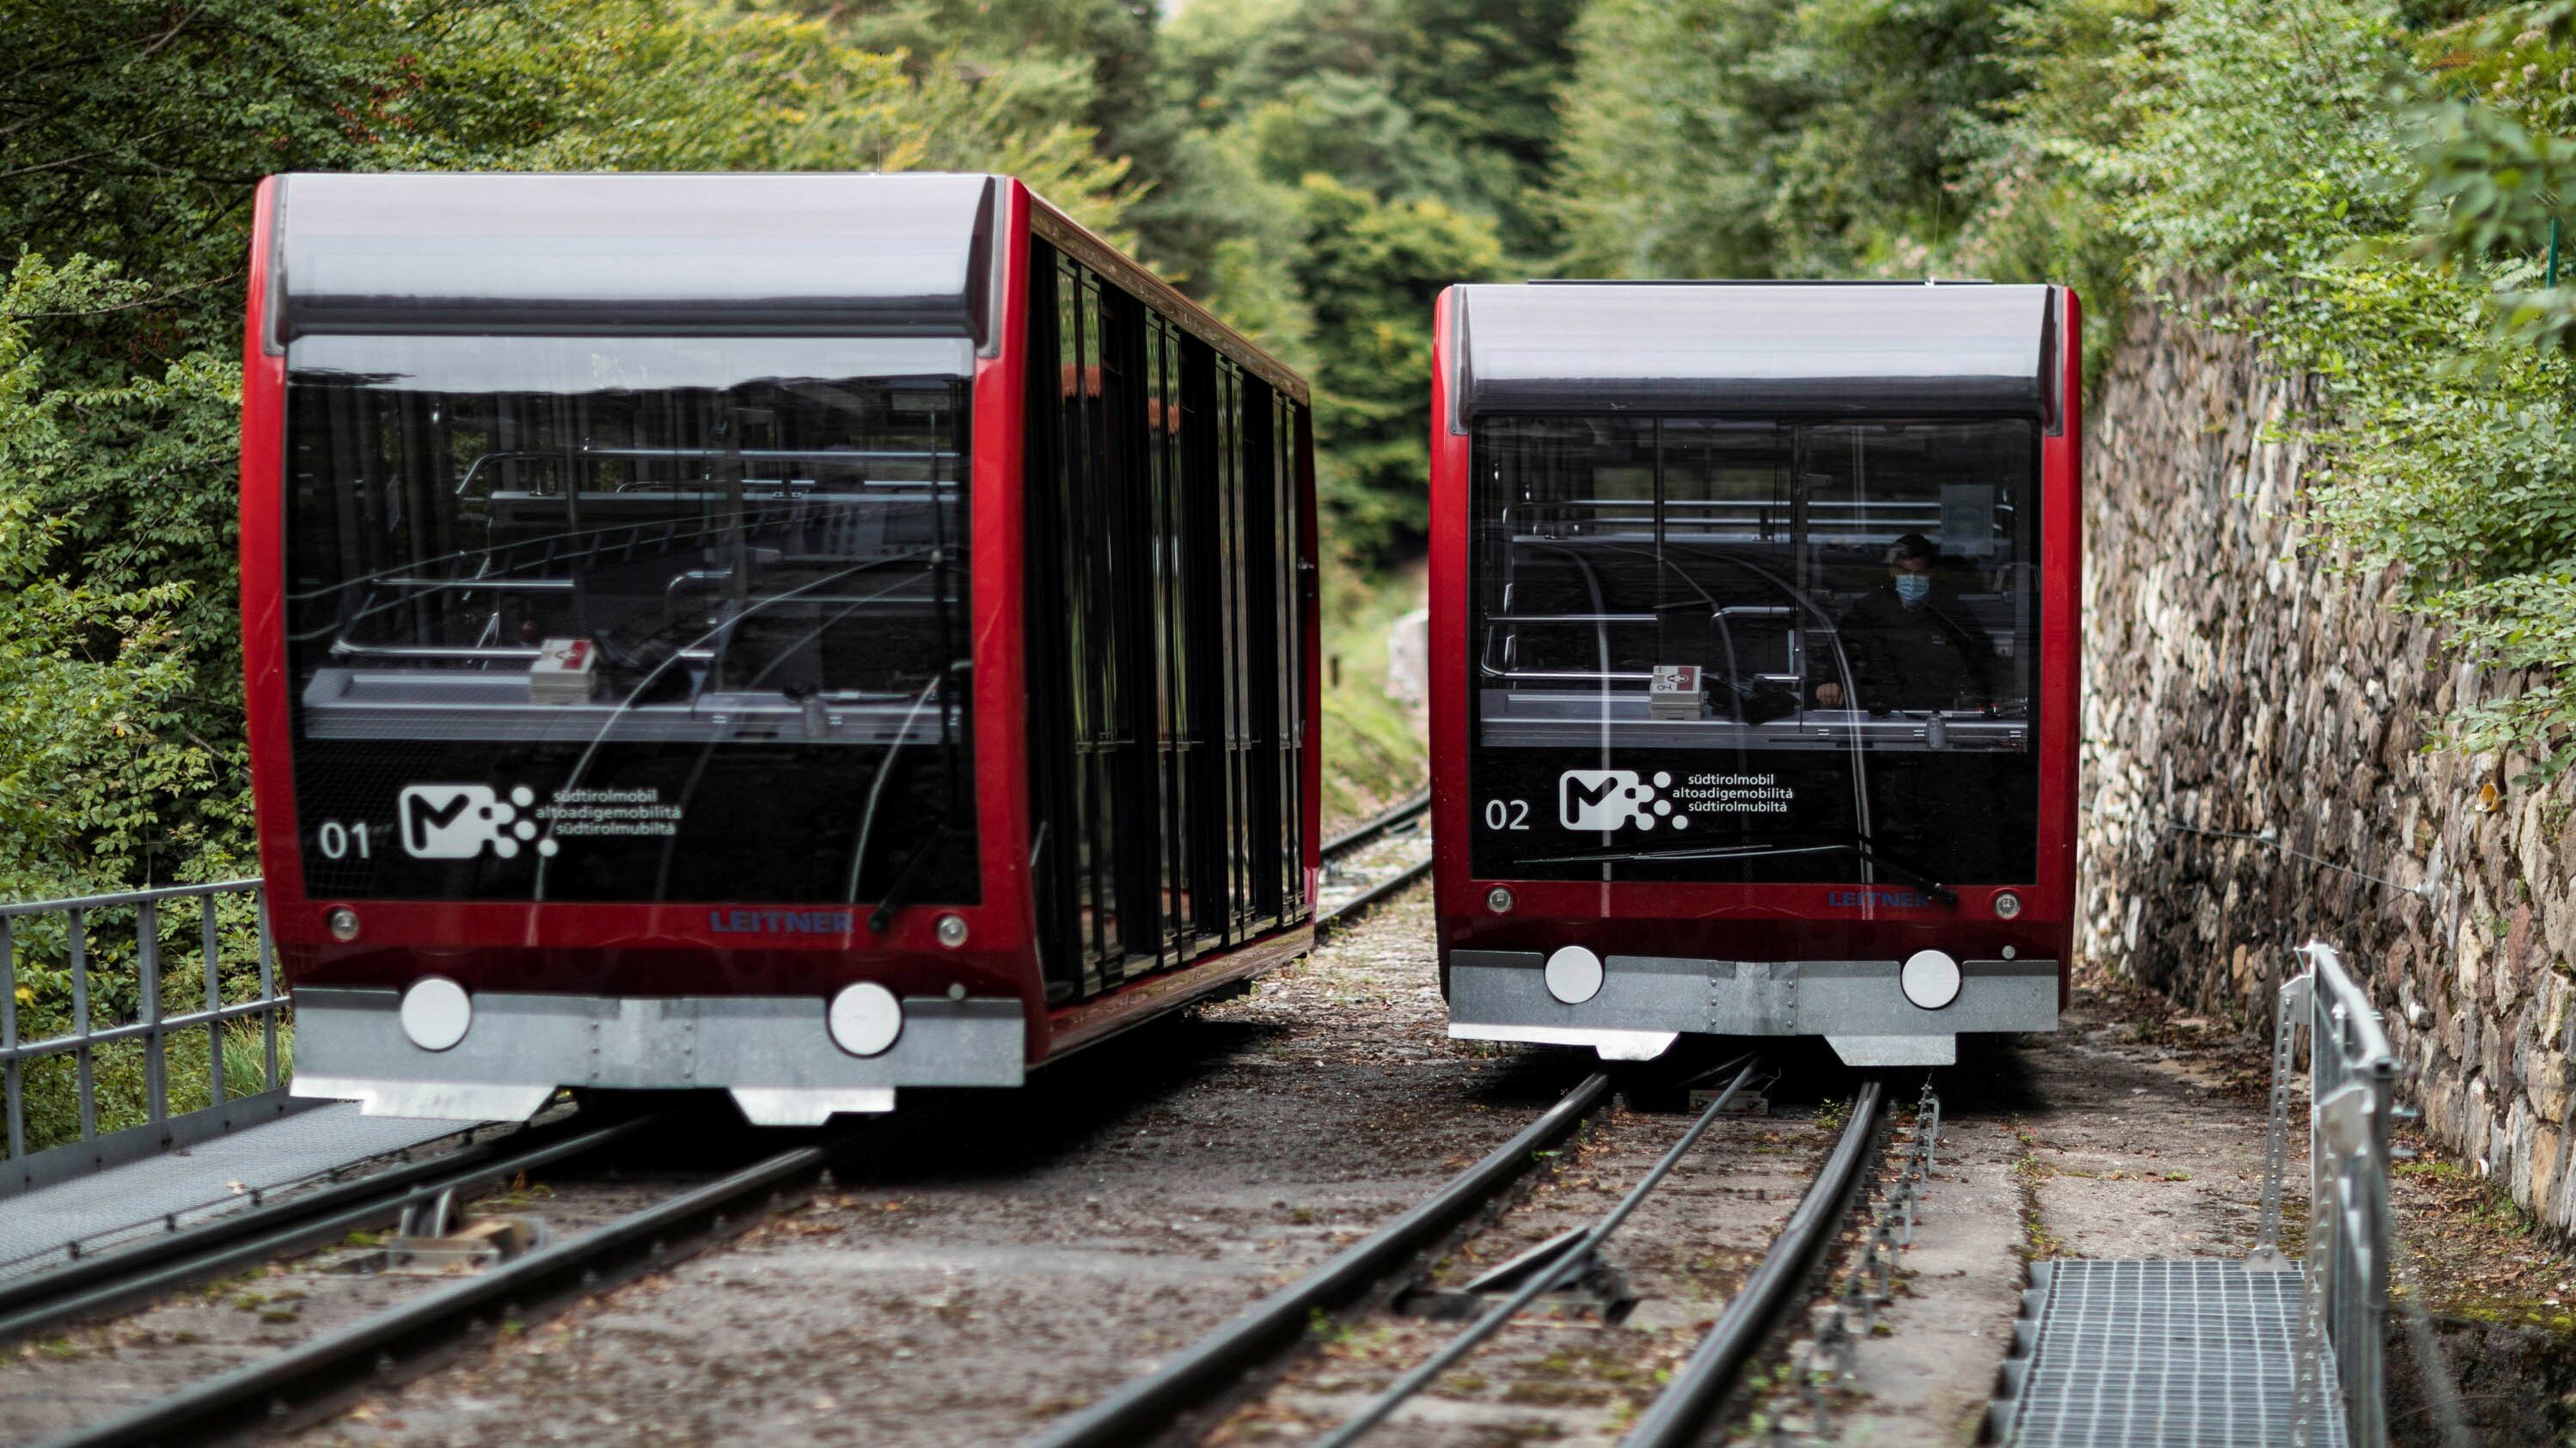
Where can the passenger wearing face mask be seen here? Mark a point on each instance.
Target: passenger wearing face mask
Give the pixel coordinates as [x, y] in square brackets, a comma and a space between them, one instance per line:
[1911, 643]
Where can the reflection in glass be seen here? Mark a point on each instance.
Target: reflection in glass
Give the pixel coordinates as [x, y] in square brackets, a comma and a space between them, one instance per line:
[1821, 637]
[584, 561]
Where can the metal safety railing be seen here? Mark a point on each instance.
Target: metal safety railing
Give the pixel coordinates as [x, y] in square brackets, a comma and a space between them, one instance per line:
[141, 1052]
[2352, 1234]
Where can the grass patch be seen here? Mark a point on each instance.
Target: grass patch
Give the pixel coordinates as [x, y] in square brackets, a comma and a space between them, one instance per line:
[1375, 752]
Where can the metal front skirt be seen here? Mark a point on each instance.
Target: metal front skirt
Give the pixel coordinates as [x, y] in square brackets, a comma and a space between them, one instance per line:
[774, 1053]
[1646, 1001]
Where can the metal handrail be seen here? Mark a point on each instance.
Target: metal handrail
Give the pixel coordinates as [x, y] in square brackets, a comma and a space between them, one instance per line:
[90, 980]
[2352, 1077]
[129, 897]
[2351, 1072]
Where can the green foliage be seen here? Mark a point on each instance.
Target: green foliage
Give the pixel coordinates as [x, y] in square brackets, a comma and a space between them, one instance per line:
[1374, 748]
[1339, 162]
[2264, 145]
[2299, 157]
[95, 756]
[1665, 122]
[1751, 138]
[1448, 100]
[131, 135]
[1370, 272]
[2044, 211]
[2495, 170]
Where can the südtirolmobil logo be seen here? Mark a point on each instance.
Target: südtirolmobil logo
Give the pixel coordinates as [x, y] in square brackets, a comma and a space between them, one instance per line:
[455, 821]
[1609, 799]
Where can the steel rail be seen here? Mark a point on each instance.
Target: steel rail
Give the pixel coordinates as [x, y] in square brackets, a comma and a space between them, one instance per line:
[96, 1286]
[1148, 1405]
[1680, 1416]
[1351, 911]
[89, 1286]
[1575, 1260]
[295, 1386]
[1391, 817]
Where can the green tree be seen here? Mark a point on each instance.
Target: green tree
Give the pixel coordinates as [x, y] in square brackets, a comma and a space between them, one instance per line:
[1342, 161]
[1464, 91]
[1775, 137]
[2375, 195]
[1371, 272]
[93, 684]
[131, 136]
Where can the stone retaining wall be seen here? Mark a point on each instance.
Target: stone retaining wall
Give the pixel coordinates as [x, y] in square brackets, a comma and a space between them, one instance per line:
[2236, 686]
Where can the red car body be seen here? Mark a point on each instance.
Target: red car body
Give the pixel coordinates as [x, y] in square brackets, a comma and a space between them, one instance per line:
[1039, 974]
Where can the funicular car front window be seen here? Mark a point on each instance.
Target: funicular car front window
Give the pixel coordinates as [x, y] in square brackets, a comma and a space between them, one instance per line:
[1711, 649]
[617, 573]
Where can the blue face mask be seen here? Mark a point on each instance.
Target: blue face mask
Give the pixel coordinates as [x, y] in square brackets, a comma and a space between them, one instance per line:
[1913, 588]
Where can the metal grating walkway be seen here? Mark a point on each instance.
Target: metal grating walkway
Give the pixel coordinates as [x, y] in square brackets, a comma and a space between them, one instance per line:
[2158, 1354]
[107, 1208]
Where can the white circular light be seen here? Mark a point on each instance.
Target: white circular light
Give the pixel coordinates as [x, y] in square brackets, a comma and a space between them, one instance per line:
[2007, 905]
[952, 930]
[865, 1018]
[1499, 900]
[436, 1013]
[1573, 975]
[1930, 979]
[342, 922]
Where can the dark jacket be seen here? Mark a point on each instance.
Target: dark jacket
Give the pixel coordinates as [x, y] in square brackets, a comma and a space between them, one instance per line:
[1929, 657]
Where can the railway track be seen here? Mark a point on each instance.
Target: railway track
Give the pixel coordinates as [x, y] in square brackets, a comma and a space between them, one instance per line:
[302, 1383]
[93, 1287]
[1211, 1371]
[296, 1385]
[1362, 896]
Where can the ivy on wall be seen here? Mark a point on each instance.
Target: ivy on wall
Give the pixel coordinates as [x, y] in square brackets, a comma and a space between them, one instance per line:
[2372, 184]
[2341, 168]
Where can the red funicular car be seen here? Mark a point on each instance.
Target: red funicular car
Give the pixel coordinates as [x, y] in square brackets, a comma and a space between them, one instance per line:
[804, 635]
[1754, 709]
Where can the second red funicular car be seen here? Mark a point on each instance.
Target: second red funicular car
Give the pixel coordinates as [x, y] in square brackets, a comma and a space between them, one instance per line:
[1755, 702]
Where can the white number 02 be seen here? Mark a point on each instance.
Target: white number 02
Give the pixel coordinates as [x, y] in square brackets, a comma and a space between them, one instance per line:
[1507, 814]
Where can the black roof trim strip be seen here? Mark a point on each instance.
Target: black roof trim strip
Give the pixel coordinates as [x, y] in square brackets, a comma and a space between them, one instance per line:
[1075, 240]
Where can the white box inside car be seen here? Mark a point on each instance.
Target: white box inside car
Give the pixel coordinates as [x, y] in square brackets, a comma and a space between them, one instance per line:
[566, 672]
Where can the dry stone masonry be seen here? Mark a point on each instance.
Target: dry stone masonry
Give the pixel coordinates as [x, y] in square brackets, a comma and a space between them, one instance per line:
[2255, 769]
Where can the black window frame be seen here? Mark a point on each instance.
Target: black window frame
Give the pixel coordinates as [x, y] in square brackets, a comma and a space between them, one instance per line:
[363, 455]
[1165, 645]
[1494, 771]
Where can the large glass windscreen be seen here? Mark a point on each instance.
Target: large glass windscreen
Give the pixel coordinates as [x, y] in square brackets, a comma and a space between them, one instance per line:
[631, 619]
[1705, 650]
